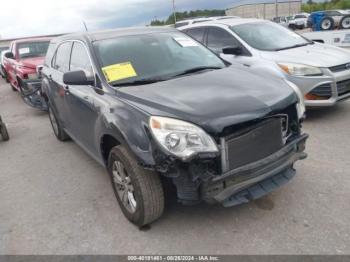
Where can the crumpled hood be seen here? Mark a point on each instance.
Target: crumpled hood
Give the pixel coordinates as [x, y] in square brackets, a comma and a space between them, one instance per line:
[32, 62]
[319, 55]
[214, 99]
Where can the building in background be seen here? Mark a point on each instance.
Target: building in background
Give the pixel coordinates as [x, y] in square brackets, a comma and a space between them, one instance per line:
[6, 42]
[265, 9]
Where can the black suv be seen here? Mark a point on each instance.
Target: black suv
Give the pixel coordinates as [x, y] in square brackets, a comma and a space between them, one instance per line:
[151, 103]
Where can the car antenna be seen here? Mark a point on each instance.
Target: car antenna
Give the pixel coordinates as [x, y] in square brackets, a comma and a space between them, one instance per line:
[85, 26]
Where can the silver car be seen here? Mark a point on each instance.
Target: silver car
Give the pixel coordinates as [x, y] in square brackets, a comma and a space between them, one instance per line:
[322, 72]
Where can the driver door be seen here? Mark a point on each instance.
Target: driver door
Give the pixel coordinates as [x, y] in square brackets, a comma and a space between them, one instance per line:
[80, 100]
[218, 38]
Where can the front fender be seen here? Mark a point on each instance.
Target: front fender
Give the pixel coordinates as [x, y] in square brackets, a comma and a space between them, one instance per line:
[129, 126]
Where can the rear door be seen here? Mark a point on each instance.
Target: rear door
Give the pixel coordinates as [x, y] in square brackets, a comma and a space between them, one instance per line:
[60, 65]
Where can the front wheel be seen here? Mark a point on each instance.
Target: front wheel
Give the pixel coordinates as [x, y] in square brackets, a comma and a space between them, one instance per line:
[139, 192]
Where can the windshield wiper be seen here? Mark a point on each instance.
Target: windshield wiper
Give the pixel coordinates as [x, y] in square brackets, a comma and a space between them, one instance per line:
[293, 46]
[140, 82]
[198, 69]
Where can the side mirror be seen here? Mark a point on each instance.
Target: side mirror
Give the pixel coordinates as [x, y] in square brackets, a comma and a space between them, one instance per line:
[232, 50]
[9, 55]
[77, 78]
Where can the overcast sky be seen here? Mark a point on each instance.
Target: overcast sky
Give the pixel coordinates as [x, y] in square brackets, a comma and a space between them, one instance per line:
[20, 18]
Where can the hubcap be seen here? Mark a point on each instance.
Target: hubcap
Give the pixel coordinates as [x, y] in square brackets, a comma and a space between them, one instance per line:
[123, 186]
[53, 122]
[326, 24]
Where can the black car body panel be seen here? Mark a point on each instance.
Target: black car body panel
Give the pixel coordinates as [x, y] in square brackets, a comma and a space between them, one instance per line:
[222, 102]
[199, 98]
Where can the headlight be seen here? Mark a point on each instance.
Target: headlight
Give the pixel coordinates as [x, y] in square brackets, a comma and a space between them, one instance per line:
[180, 138]
[300, 70]
[301, 104]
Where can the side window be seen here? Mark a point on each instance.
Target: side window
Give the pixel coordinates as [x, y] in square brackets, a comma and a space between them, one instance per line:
[61, 60]
[197, 33]
[80, 59]
[49, 54]
[218, 39]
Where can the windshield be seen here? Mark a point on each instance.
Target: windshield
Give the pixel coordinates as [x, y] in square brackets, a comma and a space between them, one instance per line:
[300, 16]
[268, 36]
[160, 56]
[33, 49]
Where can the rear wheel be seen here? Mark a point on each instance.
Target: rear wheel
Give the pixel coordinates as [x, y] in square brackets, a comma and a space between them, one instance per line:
[139, 192]
[327, 23]
[345, 22]
[57, 127]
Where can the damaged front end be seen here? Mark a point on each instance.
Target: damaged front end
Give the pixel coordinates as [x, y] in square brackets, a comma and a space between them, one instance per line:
[254, 158]
[32, 94]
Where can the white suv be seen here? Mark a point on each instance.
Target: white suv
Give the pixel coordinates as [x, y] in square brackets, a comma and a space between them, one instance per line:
[322, 72]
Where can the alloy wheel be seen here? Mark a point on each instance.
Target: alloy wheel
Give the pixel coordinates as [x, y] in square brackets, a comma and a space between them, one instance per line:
[123, 186]
[346, 23]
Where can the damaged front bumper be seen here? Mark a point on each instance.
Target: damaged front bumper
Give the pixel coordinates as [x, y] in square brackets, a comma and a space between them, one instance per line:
[31, 94]
[256, 179]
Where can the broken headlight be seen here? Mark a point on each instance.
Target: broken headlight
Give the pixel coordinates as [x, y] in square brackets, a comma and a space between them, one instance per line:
[181, 138]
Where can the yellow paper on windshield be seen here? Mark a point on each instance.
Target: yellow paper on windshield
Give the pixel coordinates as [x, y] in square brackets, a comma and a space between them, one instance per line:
[119, 71]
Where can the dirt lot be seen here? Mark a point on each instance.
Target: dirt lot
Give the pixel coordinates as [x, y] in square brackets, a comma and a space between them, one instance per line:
[55, 199]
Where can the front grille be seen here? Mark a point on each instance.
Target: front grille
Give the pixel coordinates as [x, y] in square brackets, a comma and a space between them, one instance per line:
[340, 68]
[257, 143]
[324, 90]
[343, 87]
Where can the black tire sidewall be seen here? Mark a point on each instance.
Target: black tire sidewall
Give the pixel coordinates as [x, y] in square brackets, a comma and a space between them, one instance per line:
[61, 135]
[4, 132]
[138, 216]
[341, 22]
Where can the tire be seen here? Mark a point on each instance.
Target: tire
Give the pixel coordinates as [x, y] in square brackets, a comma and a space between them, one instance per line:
[345, 22]
[59, 132]
[327, 23]
[4, 133]
[144, 197]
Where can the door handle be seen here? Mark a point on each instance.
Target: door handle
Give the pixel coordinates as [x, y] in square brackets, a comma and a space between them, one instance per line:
[66, 90]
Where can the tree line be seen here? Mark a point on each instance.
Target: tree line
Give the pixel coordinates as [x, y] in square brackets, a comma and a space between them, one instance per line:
[187, 14]
[311, 6]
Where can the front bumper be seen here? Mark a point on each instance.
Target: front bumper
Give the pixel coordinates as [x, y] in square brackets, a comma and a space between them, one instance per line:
[333, 81]
[31, 94]
[256, 179]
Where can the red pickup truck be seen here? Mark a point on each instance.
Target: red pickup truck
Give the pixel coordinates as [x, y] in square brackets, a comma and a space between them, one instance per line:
[21, 63]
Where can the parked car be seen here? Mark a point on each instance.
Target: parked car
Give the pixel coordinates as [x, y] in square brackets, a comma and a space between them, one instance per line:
[21, 63]
[201, 19]
[151, 102]
[2, 69]
[320, 71]
[281, 20]
[299, 21]
[329, 20]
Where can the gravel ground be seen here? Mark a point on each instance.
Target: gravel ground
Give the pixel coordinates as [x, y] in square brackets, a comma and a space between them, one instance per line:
[55, 199]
